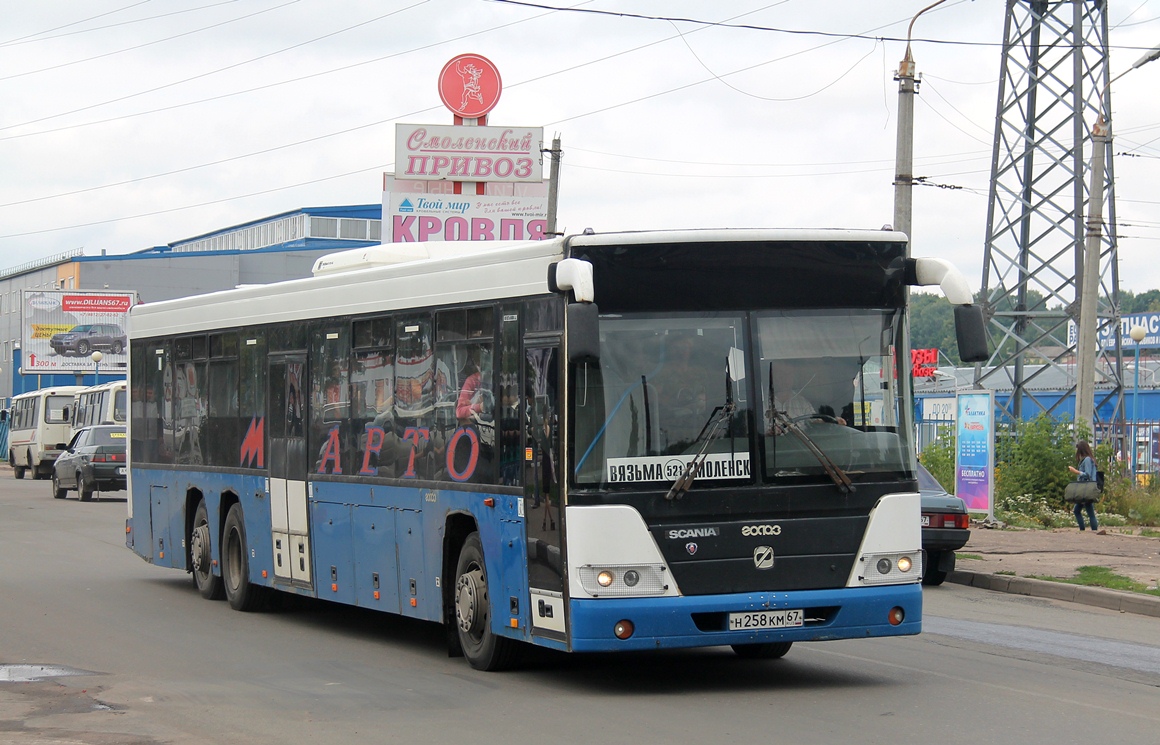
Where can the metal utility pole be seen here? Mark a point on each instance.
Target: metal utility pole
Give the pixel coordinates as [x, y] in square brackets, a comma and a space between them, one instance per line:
[904, 144]
[1054, 75]
[1085, 342]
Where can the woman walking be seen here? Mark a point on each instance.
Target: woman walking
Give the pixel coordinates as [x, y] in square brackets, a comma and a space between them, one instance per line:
[1086, 472]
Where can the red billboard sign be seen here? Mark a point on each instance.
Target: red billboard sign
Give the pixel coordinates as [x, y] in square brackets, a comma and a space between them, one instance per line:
[470, 85]
[923, 362]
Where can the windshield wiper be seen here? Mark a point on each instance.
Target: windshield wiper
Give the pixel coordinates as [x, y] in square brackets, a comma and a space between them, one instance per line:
[693, 467]
[712, 424]
[835, 472]
[782, 419]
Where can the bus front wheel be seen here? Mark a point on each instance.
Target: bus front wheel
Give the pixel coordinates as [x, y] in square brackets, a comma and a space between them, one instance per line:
[481, 646]
[768, 651]
[240, 592]
[201, 559]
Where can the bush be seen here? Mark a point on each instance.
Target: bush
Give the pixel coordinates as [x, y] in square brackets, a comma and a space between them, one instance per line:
[939, 458]
[1034, 457]
[1029, 511]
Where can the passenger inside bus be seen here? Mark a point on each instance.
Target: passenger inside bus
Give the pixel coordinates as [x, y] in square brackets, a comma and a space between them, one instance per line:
[791, 381]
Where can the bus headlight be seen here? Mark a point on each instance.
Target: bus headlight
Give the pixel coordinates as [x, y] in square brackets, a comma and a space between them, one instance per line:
[890, 569]
[623, 581]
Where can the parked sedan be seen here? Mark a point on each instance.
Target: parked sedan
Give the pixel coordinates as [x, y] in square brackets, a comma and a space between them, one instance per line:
[94, 461]
[945, 528]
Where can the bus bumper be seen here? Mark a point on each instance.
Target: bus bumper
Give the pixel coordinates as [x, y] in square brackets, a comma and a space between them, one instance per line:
[702, 621]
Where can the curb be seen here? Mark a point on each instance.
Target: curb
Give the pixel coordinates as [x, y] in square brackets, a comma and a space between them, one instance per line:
[1125, 602]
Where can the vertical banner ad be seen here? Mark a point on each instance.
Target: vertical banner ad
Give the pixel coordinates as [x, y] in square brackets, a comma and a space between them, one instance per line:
[62, 329]
[975, 452]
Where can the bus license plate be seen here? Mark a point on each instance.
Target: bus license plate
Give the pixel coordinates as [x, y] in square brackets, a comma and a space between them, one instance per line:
[766, 619]
[925, 521]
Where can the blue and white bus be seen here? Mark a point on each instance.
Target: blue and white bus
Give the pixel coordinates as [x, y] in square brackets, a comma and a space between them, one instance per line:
[602, 442]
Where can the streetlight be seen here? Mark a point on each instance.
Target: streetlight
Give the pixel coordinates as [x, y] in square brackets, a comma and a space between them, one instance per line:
[1085, 345]
[904, 144]
[97, 357]
[1137, 333]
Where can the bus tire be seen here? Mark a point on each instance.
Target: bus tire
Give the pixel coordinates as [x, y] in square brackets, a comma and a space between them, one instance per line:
[767, 651]
[240, 592]
[58, 491]
[201, 556]
[483, 649]
[17, 471]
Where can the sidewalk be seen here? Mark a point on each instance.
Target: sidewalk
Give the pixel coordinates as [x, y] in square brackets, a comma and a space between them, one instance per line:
[1005, 561]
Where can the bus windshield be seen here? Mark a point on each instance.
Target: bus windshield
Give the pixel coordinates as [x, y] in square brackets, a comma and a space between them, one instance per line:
[807, 389]
[831, 376]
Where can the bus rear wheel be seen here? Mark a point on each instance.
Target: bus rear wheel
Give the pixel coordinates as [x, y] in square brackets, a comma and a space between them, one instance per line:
[17, 471]
[482, 647]
[240, 592]
[767, 651]
[201, 557]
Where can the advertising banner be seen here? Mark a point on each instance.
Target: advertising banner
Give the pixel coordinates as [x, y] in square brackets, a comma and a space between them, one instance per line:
[432, 152]
[411, 215]
[62, 329]
[1107, 335]
[975, 452]
[941, 409]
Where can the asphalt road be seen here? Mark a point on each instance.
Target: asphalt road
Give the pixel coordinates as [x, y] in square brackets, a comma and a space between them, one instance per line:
[151, 662]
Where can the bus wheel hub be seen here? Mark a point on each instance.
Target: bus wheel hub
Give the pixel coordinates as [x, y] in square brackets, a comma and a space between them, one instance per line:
[199, 549]
[468, 598]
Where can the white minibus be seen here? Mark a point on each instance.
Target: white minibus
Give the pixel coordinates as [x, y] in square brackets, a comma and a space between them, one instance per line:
[41, 425]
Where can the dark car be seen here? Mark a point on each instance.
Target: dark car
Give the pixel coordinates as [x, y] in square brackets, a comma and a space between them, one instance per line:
[93, 461]
[86, 337]
[945, 528]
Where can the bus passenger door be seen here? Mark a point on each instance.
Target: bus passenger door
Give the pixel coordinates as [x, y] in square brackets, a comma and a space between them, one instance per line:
[287, 463]
[542, 491]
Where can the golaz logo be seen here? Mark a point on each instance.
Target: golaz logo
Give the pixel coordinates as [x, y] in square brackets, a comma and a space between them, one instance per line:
[749, 530]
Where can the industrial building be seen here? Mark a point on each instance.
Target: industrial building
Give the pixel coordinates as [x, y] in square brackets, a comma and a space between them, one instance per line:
[270, 249]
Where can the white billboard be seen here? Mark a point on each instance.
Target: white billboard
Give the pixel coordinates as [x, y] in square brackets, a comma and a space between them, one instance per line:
[419, 211]
[62, 329]
[455, 153]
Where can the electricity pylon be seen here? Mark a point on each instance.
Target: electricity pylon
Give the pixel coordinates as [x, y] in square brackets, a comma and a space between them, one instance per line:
[1053, 88]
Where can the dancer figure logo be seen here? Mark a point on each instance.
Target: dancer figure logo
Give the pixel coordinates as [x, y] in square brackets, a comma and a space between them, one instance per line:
[469, 86]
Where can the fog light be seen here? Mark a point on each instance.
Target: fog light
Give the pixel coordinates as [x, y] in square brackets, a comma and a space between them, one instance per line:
[904, 563]
[884, 566]
[604, 579]
[623, 629]
[631, 577]
[897, 615]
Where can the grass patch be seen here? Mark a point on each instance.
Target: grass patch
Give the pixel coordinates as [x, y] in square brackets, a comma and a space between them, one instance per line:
[1093, 576]
[969, 556]
[1009, 574]
[1149, 533]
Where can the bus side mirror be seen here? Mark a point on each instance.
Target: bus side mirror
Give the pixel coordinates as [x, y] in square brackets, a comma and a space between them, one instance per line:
[583, 324]
[971, 333]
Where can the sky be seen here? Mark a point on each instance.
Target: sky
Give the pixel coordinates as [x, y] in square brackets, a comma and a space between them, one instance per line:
[127, 124]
